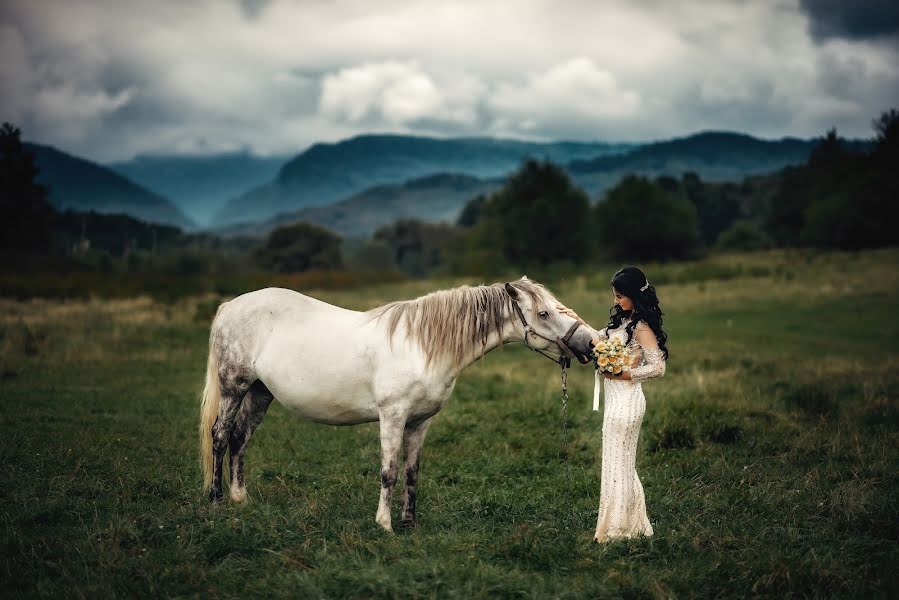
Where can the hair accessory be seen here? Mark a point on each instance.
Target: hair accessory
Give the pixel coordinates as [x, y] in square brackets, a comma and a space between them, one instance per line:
[645, 287]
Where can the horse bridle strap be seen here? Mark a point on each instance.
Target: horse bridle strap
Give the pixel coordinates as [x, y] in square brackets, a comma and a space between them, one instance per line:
[565, 352]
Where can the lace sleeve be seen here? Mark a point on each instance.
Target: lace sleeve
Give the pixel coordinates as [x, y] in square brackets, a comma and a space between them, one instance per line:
[653, 359]
[595, 333]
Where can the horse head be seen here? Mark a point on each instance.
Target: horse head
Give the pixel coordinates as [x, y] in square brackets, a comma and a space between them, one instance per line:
[544, 328]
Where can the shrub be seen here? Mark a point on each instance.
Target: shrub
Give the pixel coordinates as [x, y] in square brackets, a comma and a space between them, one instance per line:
[744, 236]
[300, 247]
[416, 247]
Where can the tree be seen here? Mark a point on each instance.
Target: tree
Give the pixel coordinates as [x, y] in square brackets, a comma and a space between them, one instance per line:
[417, 247]
[472, 211]
[539, 216]
[25, 211]
[825, 180]
[300, 247]
[744, 236]
[886, 128]
[640, 221]
[841, 199]
[717, 205]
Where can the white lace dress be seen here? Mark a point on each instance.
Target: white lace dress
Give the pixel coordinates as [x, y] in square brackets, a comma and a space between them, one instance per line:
[622, 506]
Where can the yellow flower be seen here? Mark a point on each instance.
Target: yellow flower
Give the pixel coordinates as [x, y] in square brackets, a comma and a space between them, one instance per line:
[602, 361]
[616, 370]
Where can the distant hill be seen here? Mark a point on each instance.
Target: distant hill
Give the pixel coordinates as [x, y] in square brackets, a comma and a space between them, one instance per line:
[433, 198]
[82, 185]
[200, 185]
[326, 173]
[714, 156]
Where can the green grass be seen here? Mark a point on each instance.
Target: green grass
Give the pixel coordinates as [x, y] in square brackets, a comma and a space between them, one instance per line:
[768, 455]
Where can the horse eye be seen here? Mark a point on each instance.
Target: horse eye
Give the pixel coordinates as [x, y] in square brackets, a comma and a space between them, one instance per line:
[543, 314]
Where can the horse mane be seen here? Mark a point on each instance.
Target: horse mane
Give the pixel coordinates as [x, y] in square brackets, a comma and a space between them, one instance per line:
[452, 323]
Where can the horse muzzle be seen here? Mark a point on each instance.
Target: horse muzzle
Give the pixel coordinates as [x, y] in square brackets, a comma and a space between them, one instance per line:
[566, 350]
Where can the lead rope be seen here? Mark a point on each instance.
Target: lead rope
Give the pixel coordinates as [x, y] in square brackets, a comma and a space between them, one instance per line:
[566, 441]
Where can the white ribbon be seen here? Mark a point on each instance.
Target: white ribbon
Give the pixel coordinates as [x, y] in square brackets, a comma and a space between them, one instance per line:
[597, 386]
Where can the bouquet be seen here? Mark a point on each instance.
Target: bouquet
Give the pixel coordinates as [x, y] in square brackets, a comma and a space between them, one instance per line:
[611, 356]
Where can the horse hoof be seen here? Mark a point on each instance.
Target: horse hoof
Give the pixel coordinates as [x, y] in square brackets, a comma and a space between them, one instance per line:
[385, 525]
[408, 524]
[215, 495]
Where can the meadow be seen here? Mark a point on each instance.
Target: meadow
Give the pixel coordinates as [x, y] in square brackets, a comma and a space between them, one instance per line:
[769, 454]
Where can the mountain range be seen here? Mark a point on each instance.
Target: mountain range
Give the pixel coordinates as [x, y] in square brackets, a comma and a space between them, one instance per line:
[199, 185]
[433, 198]
[326, 173]
[714, 156]
[359, 184]
[79, 184]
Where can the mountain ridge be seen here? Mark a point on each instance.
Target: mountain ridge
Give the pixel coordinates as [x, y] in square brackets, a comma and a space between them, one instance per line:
[80, 184]
[329, 172]
[200, 184]
[713, 155]
[347, 174]
[433, 198]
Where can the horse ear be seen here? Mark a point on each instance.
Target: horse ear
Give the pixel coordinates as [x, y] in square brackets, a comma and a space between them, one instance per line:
[512, 291]
[524, 278]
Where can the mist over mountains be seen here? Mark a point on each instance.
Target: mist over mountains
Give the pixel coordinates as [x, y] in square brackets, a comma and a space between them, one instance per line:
[356, 185]
[480, 167]
[79, 184]
[713, 155]
[200, 185]
[327, 173]
[433, 198]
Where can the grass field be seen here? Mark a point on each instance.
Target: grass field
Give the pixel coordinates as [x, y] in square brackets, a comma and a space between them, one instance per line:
[768, 455]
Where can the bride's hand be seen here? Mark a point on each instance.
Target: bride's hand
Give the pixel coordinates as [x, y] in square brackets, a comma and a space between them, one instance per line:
[567, 311]
[623, 376]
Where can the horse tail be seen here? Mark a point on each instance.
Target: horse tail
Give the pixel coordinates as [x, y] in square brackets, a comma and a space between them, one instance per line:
[209, 409]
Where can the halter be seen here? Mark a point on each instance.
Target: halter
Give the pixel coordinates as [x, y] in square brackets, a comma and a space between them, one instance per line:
[565, 353]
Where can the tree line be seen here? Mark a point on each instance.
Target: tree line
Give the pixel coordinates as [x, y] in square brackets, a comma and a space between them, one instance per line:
[843, 197]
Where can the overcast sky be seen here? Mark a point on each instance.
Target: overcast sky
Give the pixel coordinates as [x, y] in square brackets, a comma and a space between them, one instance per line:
[109, 79]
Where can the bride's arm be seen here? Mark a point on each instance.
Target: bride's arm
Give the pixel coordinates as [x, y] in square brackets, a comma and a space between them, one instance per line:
[653, 357]
[567, 311]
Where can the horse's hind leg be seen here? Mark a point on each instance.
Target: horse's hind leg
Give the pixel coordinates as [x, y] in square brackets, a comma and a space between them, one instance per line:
[413, 438]
[234, 382]
[221, 432]
[255, 404]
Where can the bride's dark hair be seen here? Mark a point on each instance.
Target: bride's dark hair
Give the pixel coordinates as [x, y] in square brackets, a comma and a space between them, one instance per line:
[631, 282]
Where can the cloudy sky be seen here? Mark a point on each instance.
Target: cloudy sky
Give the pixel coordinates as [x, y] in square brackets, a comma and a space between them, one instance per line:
[109, 79]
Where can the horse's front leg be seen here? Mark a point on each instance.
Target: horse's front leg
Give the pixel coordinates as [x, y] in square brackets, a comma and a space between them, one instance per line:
[392, 426]
[413, 438]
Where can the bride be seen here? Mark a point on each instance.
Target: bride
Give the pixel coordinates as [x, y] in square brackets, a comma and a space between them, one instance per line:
[636, 320]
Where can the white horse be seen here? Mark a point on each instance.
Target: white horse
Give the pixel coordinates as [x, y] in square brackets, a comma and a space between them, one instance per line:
[396, 364]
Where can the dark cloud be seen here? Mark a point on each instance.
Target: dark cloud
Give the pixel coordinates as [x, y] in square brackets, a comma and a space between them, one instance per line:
[278, 75]
[852, 19]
